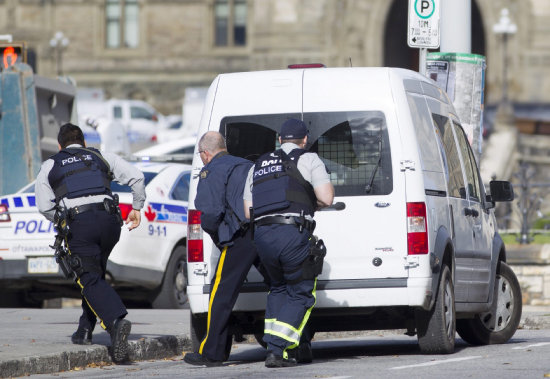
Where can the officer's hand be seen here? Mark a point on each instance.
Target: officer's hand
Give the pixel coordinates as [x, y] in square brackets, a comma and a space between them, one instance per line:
[135, 218]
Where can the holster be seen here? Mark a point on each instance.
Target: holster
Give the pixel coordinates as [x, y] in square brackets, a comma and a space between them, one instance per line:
[111, 206]
[70, 265]
[313, 264]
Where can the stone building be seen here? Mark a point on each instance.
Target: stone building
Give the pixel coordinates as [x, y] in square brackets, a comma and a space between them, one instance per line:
[154, 49]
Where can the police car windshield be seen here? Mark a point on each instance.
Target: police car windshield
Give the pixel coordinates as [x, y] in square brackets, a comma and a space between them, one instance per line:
[116, 187]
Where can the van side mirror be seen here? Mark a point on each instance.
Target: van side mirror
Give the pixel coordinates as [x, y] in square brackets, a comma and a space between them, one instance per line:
[501, 191]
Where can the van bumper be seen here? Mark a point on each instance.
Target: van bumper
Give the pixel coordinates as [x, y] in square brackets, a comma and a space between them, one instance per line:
[356, 293]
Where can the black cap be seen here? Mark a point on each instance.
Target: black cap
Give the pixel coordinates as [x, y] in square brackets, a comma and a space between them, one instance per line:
[293, 129]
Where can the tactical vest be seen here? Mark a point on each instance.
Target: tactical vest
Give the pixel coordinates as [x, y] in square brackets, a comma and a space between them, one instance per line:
[278, 186]
[79, 172]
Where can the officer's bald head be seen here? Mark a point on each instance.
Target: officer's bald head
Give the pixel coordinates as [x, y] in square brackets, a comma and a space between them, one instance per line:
[213, 142]
[70, 134]
[210, 144]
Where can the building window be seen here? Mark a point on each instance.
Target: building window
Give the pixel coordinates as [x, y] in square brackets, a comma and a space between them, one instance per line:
[230, 22]
[122, 24]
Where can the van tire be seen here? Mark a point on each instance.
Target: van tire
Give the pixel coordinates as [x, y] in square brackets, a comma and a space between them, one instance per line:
[506, 311]
[198, 331]
[173, 290]
[436, 328]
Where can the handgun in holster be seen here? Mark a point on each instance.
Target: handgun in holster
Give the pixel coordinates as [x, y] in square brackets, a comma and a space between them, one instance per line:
[111, 206]
[313, 264]
[71, 265]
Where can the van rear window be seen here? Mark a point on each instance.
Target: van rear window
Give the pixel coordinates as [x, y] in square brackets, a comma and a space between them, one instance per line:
[353, 145]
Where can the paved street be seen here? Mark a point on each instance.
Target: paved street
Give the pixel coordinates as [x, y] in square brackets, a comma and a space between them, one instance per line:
[37, 341]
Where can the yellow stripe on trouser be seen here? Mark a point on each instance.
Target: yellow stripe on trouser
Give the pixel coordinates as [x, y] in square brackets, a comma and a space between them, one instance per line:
[213, 294]
[287, 331]
[82, 292]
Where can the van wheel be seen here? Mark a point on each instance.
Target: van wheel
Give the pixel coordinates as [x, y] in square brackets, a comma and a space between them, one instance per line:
[173, 291]
[436, 328]
[198, 331]
[500, 323]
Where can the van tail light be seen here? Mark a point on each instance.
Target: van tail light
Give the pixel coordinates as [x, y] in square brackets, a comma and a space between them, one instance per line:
[417, 231]
[125, 210]
[195, 251]
[4, 214]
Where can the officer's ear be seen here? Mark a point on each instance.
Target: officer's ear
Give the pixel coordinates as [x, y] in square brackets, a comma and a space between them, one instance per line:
[59, 147]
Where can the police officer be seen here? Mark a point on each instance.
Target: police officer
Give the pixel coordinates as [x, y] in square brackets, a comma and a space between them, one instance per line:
[220, 200]
[77, 181]
[285, 188]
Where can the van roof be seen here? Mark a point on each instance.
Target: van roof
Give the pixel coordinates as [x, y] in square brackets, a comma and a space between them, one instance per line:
[314, 89]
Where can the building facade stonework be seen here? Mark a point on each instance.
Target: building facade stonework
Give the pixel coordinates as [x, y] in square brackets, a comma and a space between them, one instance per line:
[176, 41]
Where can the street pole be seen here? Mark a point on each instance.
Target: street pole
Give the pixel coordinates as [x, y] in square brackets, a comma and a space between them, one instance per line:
[505, 27]
[456, 26]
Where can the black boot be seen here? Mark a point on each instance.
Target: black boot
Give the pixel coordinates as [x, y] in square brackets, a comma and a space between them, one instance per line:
[119, 332]
[82, 336]
[273, 361]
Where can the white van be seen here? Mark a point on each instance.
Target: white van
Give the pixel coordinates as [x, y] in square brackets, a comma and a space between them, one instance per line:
[416, 246]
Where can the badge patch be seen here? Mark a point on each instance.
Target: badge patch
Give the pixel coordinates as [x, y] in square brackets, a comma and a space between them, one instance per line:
[204, 173]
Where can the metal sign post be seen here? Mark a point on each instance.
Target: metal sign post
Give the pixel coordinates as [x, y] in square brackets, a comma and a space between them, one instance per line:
[423, 28]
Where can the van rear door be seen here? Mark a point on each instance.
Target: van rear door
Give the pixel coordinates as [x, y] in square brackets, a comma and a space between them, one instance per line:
[352, 125]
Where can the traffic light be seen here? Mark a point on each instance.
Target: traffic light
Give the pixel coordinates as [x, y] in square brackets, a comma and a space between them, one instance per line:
[11, 54]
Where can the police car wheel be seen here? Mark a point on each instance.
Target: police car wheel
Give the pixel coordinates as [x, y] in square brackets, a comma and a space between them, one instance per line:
[173, 291]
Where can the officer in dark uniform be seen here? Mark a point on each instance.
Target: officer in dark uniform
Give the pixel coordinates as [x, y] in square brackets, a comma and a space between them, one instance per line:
[76, 182]
[285, 188]
[220, 200]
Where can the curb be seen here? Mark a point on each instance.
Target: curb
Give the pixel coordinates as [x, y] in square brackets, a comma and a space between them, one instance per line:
[142, 349]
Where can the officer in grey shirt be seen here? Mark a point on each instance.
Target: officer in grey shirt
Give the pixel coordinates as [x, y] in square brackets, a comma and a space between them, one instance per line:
[76, 183]
[284, 188]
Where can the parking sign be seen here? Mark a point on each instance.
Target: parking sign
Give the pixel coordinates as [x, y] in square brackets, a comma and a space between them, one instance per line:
[423, 26]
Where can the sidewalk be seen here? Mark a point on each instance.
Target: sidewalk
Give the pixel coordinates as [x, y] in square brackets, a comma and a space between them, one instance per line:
[37, 341]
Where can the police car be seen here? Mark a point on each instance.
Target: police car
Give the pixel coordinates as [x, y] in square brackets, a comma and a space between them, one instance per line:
[147, 265]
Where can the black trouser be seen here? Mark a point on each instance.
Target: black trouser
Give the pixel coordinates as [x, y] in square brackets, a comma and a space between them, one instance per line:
[93, 234]
[283, 249]
[233, 266]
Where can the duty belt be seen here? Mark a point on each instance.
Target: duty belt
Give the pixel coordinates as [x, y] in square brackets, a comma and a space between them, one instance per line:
[309, 225]
[87, 207]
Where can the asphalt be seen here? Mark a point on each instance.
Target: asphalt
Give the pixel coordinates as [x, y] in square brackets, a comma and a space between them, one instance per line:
[37, 341]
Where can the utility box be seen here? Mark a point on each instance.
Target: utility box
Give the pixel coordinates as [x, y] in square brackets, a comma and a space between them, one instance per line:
[32, 109]
[20, 157]
[462, 76]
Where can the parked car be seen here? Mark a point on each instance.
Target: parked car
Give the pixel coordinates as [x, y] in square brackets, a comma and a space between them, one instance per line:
[140, 120]
[415, 243]
[146, 265]
[183, 146]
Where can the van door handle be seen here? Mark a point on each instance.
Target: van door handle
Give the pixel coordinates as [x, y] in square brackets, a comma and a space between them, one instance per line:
[471, 212]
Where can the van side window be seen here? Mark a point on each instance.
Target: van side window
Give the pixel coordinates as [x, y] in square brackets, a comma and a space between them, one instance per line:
[469, 163]
[454, 174]
[355, 148]
[428, 145]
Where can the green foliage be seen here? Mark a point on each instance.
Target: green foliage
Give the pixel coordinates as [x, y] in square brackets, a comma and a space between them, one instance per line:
[541, 222]
[538, 239]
